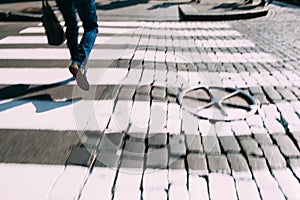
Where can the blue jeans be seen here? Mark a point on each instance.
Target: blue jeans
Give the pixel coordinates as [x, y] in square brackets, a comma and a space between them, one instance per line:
[86, 10]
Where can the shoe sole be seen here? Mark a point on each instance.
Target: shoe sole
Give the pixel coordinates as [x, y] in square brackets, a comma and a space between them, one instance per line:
[80, 79]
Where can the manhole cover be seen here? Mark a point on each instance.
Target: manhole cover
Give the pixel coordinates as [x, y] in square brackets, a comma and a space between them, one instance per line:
[217, 103]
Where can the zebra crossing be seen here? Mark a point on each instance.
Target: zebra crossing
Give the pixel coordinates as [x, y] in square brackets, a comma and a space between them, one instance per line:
[135, 71]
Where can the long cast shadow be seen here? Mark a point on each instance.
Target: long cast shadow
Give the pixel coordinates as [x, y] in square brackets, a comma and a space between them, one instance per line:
[42, 102]
[166, 5]
[15, 1]
[120, 4]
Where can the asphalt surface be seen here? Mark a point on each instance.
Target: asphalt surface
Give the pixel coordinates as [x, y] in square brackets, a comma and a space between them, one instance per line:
[147, 10]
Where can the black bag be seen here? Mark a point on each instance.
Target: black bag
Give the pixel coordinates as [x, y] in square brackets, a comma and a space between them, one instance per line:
[54, 31]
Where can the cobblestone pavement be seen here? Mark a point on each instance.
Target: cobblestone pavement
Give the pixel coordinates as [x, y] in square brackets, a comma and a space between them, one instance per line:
[135, 140]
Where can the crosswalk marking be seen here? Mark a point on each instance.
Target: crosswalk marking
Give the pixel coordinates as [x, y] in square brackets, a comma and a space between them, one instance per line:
[113, 54]
[114, 76]
[123, 40]
[146, 31]
[157, 66]
[174, 25]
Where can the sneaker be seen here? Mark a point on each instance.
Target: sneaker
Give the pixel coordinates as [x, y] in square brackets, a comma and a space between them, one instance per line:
[79, 73]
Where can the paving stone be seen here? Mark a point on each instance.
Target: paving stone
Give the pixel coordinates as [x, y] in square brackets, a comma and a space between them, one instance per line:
[126, 93]
[157, 158]
[176, 163]
[274, 157]
[110, 160]
[255, 121]
[141, 97]
[91, 138]
[223, 129]
[178, 192]
[122, 187]
[240, 128]
[132, 163]
[246, 189]
[155, 179]
[273, 126]
[258, 130]
[218, 163]
[272, 94]
[189, 123]
[158, 93]
[286, 146]
[211, 145]
[288, 183]
[178, 177]
[197, 162]
[265, 180]
[256, 90]
[79, 156]
[285, 107]
[263, 139]
[287, 94]
[257, 163]
[206, 128]
[111, 142]
[250, 147]
[99, 183]
[261, 98]
[274, 194]
[296, 136]
[173, 126]
[238, 162]
[295, 166]
[296, 91]
[229, 144]
[155, 194]
[157, 140]
[134, 147]
[224, 181]
[270, 111]
[158, 118]
[133, 194]
[143, 90]
[177, 145]
[73, 177]
[294, 162]
[198, 188]
[136, 136]
[193, 143]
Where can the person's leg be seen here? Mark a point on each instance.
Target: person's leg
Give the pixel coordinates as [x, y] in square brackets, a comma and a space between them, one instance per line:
[87, 13]
[68, 10]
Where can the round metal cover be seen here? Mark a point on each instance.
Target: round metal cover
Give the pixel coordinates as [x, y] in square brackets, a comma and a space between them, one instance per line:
[217, 103]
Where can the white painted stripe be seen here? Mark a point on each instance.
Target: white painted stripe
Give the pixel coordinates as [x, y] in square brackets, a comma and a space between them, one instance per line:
[59, 54]
[99, 184]
[112, 54]
[221, 186]
[146, 31]
[34, 30]
[67, 115]
[73, 177]
[51, 115]
[27, 181]
[212, 33]
[25, 39]
[174, 25]
[225, 43]
[111, 76]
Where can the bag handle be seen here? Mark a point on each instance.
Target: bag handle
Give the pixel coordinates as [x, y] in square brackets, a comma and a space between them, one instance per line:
[45, 3]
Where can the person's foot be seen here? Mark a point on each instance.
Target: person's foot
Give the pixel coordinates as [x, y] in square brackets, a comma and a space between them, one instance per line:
[79, 73]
